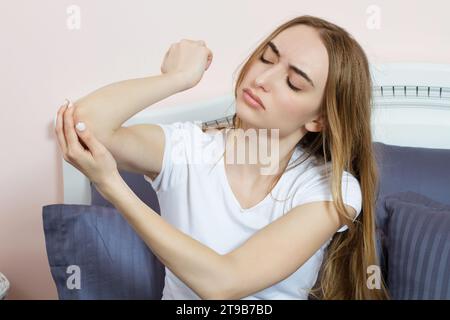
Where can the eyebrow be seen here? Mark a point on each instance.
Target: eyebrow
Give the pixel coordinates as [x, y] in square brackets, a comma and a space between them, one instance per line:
[294, 68]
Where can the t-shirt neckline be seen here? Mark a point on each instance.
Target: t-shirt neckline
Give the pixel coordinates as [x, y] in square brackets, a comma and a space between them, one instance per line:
[229, 190]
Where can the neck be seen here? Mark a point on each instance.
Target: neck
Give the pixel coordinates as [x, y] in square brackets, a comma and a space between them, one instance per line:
[258, 155]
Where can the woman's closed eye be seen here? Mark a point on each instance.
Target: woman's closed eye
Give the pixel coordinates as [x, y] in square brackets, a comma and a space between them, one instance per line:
[261, 58]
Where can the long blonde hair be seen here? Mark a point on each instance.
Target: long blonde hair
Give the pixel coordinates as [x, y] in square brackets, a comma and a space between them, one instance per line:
[346, 142]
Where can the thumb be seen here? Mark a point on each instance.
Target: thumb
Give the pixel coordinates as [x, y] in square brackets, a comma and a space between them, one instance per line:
[89, 139]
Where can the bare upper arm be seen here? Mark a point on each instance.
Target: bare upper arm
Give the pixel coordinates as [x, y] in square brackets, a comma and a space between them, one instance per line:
[138, 148]
[279, 249]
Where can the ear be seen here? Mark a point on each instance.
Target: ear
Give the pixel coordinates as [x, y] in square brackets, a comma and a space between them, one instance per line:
[315, 125]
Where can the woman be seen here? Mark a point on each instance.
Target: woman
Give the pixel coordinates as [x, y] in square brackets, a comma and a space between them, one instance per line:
[231, 231]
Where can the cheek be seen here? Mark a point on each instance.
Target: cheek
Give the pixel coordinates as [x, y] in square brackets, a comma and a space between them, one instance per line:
[295, 110]
[290, 107]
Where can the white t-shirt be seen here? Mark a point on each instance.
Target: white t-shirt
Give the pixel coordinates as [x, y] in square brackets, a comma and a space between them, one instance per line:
[195, 197]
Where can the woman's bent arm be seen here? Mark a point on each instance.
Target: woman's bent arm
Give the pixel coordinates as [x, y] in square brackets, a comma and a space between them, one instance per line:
[107, 108]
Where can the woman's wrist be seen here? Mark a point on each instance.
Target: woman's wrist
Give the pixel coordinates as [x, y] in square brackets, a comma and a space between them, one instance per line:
[109, 187]
[179, 80]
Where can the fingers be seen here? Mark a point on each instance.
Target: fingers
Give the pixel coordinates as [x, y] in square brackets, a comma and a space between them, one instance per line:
[201, 42]
[95, 146]
[69, 130]
[59, 128]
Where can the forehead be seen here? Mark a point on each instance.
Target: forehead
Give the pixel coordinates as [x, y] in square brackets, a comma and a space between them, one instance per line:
[302, 47]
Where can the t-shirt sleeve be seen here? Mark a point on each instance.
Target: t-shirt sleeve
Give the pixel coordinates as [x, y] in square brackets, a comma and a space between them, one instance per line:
[319, 188]
[178, 138]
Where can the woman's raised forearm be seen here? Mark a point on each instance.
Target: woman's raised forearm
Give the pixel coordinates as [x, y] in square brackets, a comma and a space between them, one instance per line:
[107, 108]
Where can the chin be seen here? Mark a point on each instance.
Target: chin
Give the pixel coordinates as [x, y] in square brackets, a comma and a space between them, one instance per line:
[247, 117]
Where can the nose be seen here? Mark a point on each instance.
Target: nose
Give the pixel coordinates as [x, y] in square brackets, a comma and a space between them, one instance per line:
[267, 77]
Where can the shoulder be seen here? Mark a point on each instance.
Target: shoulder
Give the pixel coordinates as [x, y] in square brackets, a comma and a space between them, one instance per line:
[315, 185]
[192, 130]
[315, 172]
[189, 141]
[182, 128]
[184, 131]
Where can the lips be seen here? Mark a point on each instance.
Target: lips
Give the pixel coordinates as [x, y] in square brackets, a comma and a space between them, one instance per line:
[255, 97]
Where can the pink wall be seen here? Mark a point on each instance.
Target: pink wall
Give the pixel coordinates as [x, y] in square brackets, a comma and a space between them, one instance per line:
[43, 61]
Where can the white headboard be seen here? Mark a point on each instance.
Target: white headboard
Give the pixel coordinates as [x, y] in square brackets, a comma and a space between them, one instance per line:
[411, 107]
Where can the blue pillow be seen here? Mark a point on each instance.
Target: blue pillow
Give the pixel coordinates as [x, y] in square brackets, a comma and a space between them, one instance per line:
[425, 171]
[418, 247]
[95, 254]
[137, 183]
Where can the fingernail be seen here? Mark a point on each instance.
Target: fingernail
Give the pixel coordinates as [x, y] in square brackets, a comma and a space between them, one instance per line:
[70, 105]
[80, 126]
